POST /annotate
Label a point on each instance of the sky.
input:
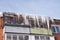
(49, 8)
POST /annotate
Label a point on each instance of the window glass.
(36, 37)
(57, 29)
(45, 24)
(42, 37)
(26, 38)
(30, 20)
(14, 20)
(40, 21)
(36, 23)
(7, 20)
(11, 19)
(53, 28)
(8, 37)
(21, 19)
(47, 38)
(20, 37)
(14, 37)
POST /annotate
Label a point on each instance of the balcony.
(41, 31)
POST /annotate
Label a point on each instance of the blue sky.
(41, 7)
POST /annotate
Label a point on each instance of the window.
(42, 37)
(56, 29)
(36, 21)
(45, 24)
(30, 20)
(8, 37)
(47, 38)
(9, 18)
(53, 28)
(26, 38)
(40, 21)
(36, 37)
(23, 37)
(14, 37)
(21, 19)
(20, 37)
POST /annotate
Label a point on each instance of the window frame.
(56, 30)
(17, 36)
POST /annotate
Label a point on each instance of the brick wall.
(1, 30)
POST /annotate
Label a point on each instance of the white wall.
(16, 29)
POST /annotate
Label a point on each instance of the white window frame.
(55, 28)
(30, 37)
(43, 36)
(16, 35)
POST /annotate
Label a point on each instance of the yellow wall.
(41, 31)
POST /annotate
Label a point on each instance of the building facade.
(56, 28)
(27, 27)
